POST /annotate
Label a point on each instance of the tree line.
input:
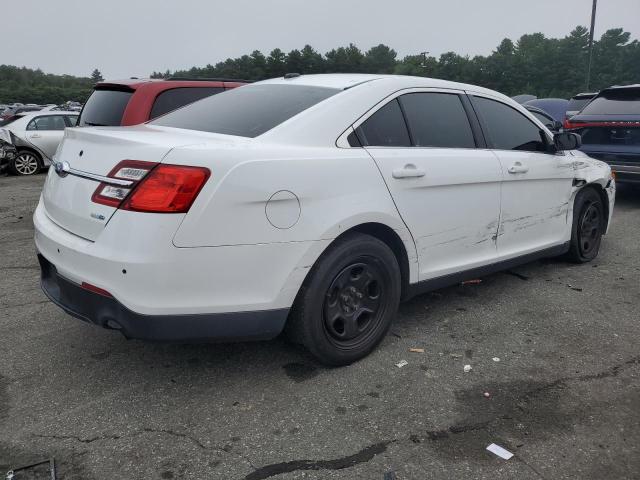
(534, 64)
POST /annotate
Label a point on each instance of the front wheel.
(25, 163)
(347, 304)
(589, 222)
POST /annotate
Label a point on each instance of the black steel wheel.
(348, 302)
(589, 221)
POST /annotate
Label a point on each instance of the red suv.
(134, 101)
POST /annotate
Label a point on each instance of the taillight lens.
(167, 189)
(155, 188)
(113, 195)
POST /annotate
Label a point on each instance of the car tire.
(348, 301)
(589, 223)
(25, 163)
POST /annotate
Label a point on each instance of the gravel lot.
(564, 397)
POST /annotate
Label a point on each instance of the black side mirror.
(567, 141)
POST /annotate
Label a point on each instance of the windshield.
(104, 108)
(246, 111)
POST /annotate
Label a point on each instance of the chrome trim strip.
(98, 178)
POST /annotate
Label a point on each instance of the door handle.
(35, 135)
(518, 167)
(408, 171)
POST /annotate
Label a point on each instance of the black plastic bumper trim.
(107, 312)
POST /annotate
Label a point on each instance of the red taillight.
(154, 188)
(167, 189)
(94, 289)
(568, 124)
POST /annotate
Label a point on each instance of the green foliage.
(33, 86)
(534, 64)
(96, 76)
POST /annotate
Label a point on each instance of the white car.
(35, 136)
(311, 204)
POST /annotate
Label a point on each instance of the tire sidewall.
(584, 199)
(354, 248)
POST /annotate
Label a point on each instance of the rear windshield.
(104, 108)
(246, 111)
(615, 102)
(576, 104)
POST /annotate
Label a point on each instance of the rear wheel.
(348, 302)
(25, 163)
(589, 222)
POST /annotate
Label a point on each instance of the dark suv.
(610, 130)
(135, 101)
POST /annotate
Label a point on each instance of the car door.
(45, 132)
(446, 189)
(536, 184)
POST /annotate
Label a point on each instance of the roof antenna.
(291, 75)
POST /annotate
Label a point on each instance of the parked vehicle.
(577, 103)
(546, 119)
(13, 111)
(35, 137)
(610, 130)
(523, 98)
(311, 204)
(556, 107)
(134, 101)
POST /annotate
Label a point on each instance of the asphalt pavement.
(555, 379)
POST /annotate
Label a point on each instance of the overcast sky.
(126, 38)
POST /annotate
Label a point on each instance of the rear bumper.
(107, 312)
(625, 165)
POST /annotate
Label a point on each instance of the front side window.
(175, 98)
(437, 120)
(51, 122)
(246, 111)
(385, 128)
(507, 128)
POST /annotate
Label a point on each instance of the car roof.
(47, 113)
(345, 81)
(135, 83)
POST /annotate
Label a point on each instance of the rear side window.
(615, 102)
(104, 108)
(175, 98)
(246, 111)
(508, 129)
(50, 122)
(437, 120)
(385, 128)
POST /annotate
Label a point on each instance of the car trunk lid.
(87, 154)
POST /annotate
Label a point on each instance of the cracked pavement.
(564, 396)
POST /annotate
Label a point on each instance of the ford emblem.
(62, 168)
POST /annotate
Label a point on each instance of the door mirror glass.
(567, 141)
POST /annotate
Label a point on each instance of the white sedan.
(310, 204)
(35, 136)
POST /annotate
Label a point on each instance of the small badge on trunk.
(62, 168)
(97, 216)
